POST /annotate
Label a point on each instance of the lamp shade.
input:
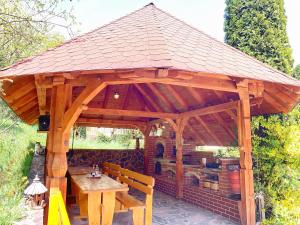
(36, 187)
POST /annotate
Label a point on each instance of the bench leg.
(138, 216)
(149, 203)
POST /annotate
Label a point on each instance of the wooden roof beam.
(204, 83)
(133, 113)
(113, 123)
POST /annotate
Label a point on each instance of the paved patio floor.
(166, 211)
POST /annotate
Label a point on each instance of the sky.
(206, 15)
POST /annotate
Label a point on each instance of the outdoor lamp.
(35, 191)
(116, 95)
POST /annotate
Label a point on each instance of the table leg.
(108, 204)
(83, 204)
(94, 202)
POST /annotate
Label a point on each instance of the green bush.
(16, 151)
(276, 152)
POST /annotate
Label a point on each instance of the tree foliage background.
(258, 28)
(27, 27)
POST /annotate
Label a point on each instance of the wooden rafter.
(162, 97)
(177, 96)
(209, 131)
(146, 96)
(23, 100)
(168, 104)
(274, 102)
(13, 96)
(147, 106)
(184, 105)
(224, 126)
(224, 99)
(27, 107)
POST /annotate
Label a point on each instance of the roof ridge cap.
(231, 47)
(158, 27)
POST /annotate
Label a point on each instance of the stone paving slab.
(166, 211)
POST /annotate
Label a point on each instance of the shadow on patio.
(167, 210)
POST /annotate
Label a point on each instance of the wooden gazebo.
(162, 69)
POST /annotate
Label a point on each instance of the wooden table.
(100, 195)
(79, 170)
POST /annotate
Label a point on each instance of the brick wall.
(210, 200)
(165, 185)
(194, 192)
(130, 159)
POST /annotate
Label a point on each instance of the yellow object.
(57, 211)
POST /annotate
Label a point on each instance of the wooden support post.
(180, 123)
(246, 172)
(57, 142)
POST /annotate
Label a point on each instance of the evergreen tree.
(258, 28)
(296, 72)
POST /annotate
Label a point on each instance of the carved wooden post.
(57, 142)
(180, 124)
(245, 146)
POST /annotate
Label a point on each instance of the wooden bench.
(144, 184)
(112, 170)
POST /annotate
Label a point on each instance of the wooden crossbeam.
(188, 114)
(210, 109)
(217, 108)
(204, 83)
(133, 113)
(110, 123)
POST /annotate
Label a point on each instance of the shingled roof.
(148, 38)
